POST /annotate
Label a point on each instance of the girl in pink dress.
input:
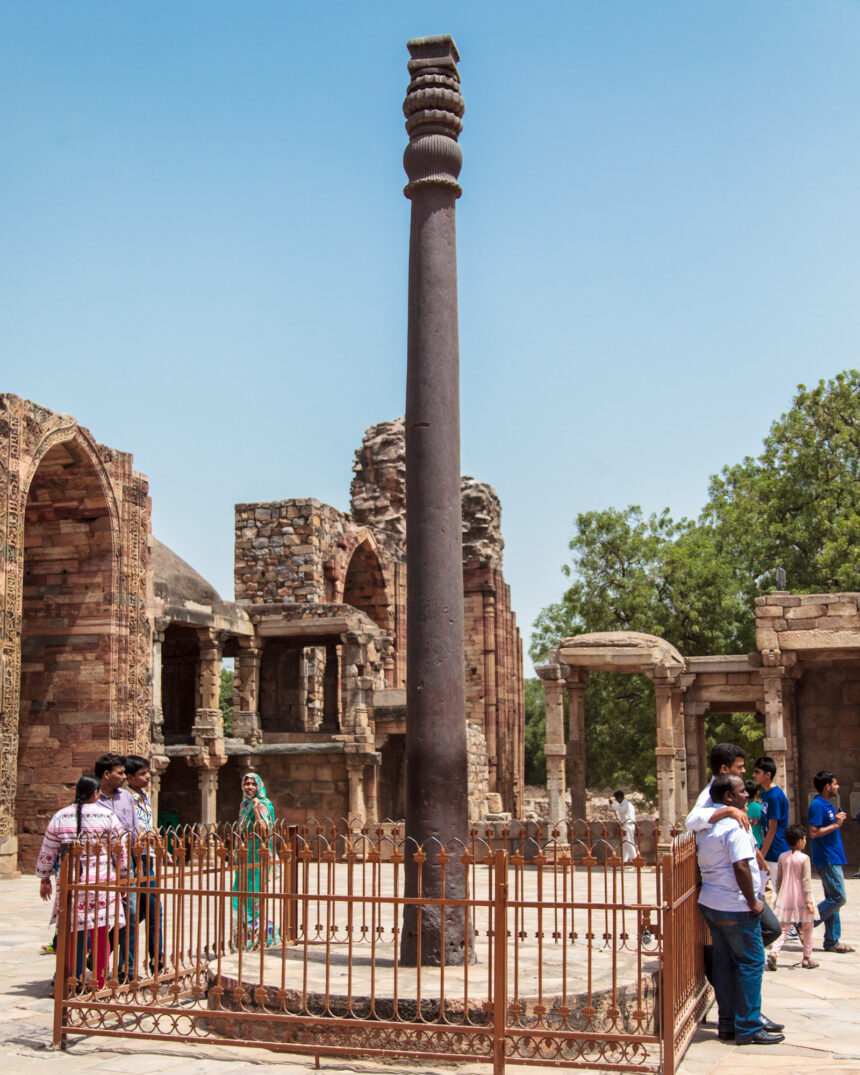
(103, 852)
(794, 902)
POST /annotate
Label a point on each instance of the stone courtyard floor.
(821, 1010)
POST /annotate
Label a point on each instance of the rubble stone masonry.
(302, 552)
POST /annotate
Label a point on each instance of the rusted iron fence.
(567, 956)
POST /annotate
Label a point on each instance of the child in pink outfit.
(794, 895)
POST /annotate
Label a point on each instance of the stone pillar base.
(9, 858)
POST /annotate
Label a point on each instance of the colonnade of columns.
(359, 669)
(680, 750)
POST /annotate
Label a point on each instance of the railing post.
(500, 960)
(62, 968)
(293, 884)
(669, 985)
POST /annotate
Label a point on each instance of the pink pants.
(806, 930)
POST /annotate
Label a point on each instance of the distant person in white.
(626, 818)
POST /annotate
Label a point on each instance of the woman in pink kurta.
(103, 851)
(794, 896)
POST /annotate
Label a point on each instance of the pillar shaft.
(436, 749)
(208, 780)
(576, 744)
(775, 745)
(554, 749)
(246, 716)
(355, 776)
(665, 752)
(680, 738)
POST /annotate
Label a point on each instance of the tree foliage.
(225, 699)
(535, 761)
(796, 506)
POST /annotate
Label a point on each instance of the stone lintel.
(810, 640)
(312, 627)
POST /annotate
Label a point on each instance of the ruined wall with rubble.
(282, 548)
(75, 653)
(302, 552)
(494, 650)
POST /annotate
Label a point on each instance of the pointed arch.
(364, 585)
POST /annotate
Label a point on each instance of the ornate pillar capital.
(433, 110)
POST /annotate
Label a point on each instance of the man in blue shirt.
(828, 857)
(774, 813)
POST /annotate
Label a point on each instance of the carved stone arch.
(70, 431)
(80, 516)
(364, 584)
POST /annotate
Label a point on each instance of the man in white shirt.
(731, 905)
(626, 818)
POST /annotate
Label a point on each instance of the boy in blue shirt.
(828, 857)
(774, 813)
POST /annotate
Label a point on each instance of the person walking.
(104, 855)
(828, 857)
(794, 896)
(625, 815)
(730, 902)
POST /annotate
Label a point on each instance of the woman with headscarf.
(104, 851)
(256, 821)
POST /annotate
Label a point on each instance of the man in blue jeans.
(828, 857)
(731, 905)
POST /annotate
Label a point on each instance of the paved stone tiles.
(821, 1010)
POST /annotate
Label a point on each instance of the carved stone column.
(555, 750)
(209, 681)
(208, 781)
(158, 764)
(157, 714)
(665, 751)
(491, 702)
(697, 767)
(355, 776)
(246, 691)
(371, 788)
(436, 749)
(774, 725)
(678, 732)
(577, 681)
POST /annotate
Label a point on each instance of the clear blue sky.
(204, 243)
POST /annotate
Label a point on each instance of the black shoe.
(762, 1037)
(726, 1035)
(770, 1025)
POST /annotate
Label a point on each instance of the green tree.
(535, 740)
(797, 506)
(225, 699)
(656, 576)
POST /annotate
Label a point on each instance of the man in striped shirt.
(144, 907)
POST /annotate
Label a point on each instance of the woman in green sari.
(256, 820)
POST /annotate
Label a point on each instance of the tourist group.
(757, 883)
